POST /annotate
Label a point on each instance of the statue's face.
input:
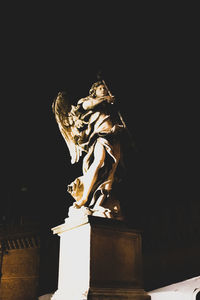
(101, 91)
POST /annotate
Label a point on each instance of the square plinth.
(99, 259)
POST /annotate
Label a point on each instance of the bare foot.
(80, 203)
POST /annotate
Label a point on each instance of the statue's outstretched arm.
(91, 103)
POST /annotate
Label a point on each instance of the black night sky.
(49, 49)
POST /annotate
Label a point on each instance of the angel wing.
(65, 117)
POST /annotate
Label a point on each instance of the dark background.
(142, 53)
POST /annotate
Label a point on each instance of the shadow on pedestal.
(99, 259)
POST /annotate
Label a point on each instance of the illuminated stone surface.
(99, 259)
(184, 290)
(19, 253)
(20, 274)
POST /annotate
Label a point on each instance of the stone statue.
(92, 130)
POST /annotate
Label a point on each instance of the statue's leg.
(90, 176)
(110, 178)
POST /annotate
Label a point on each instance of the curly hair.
(93, 88)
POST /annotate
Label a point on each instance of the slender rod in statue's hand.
(120, 116)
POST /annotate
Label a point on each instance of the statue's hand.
(109, 99)
(80, 123)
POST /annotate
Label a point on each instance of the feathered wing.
(62, 110)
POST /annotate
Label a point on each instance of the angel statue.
(92, 130)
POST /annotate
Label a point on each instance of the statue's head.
(92, 91)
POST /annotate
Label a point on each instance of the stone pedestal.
(99, 259)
